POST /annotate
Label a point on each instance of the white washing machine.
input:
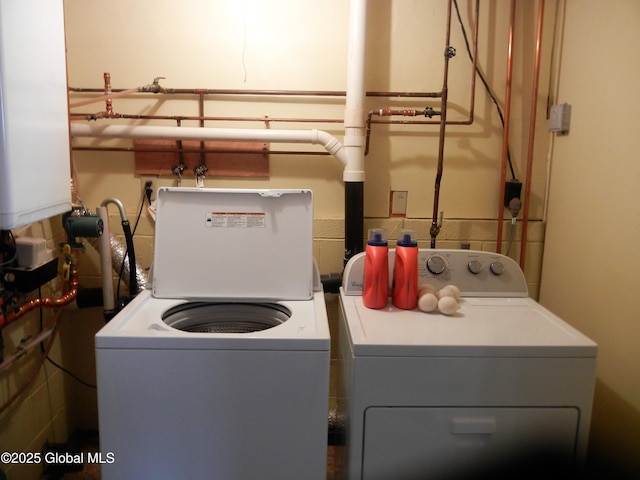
(502, 387)
(221, 370)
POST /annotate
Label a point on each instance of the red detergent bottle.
(405, 271)
(375, 292)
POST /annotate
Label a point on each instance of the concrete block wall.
(42, 413)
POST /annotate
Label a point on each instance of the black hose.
(331, 282)
(128, 237)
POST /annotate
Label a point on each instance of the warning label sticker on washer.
(236, 220)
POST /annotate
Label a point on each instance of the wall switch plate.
(398, 203)
(560, 118)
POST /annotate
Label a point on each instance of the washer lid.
(229, 244)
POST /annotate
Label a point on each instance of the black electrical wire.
(50, 360)
(485, 83)
(71, 374)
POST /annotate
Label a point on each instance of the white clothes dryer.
(501, 389)
(221, 370)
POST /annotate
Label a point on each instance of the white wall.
(591, 257)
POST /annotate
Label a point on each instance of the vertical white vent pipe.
(354, 115)
(354, 131)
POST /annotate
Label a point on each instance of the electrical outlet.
(148, 181)
(512, 189)
(147, 178)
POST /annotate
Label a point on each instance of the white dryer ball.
(455, 290)
(426, 288)
(446, 292)
(447, 305)
(427, 302)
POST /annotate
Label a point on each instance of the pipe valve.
(200, 170)
(154, 87)
(21, 349)
(435, 229)
(178, 170)
(429, 112)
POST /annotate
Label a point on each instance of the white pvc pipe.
(354, 115)
(313, 137)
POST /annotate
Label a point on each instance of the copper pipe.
(532, 135)
(284, 93)
(178, 169)
(449, 53)
(475, 64)
(111, 95)
(198, 118)
(107, 91)
(418, 122)
(201, 112)
(69, 294)
(108, 100)
(201, 92)
(389, 112)
(150, 88)
(468, 121)
(507, 121)
(156, 88)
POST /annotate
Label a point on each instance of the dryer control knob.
(436, 265)
(497, 268)
(474, 266)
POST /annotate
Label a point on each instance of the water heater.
(34, 120)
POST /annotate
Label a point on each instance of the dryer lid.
(233, 243)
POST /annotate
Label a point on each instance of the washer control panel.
(475, 273)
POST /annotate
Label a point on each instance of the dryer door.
(441, 443)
